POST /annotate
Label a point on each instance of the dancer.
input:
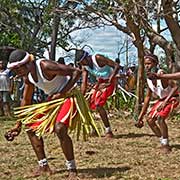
(105, 70)
(58, 81)
(168, 100)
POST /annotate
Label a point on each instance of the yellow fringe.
(82, 122)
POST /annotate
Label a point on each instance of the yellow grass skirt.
(82, 122)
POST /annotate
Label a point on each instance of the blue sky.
(103, 40)
(106, 41)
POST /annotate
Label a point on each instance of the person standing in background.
(5, 91)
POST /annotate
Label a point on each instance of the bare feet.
(109, 135)
(72, 175)
(41, 171)
(165, 149)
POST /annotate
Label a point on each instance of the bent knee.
(150, 121)
(160, 120)
(60, 130)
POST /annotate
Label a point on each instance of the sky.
(106, 41)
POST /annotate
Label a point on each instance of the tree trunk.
(140, 76)
(55, 28)
(171, 22)
(174, 29)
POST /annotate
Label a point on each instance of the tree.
(136, 18)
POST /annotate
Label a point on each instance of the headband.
(151, 57)
(19, 63)
(84, 55)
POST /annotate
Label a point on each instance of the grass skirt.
(82, 123)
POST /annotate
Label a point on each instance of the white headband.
(19, 63)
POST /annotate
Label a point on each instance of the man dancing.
(168, 100)
(58, 81)
(104, 70)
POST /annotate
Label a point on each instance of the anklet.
(70, 164)
(43, 162)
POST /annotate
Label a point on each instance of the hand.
(139, 124)
(11, 134)
(56, 96)
(152, 76)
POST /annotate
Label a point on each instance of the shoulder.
(98, 56)
(48, 64)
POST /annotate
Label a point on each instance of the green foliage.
(28, 24)
(117, 101)
(9, 39)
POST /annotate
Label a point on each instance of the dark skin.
(162, 129)
(50, 69)
(101, 61)
(173, 76)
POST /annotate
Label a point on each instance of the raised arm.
(174, 76)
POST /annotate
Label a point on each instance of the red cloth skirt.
(172, 104)
(63, 115)
(99, 97)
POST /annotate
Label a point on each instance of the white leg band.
(164, 141)
(43, 162)
(108, 129)
(71, 164)
(160, 139)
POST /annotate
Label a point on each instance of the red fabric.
(172, 103)
(99, 97)
(63, 111)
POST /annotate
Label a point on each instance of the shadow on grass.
(5, 118)
(99, 172)
(132, 135)
(176, 146)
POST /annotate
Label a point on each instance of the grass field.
(132, 155)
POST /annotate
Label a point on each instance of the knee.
(160, 120)
(100, 108)
(36, 142)
(60, 130)
(150, 121)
